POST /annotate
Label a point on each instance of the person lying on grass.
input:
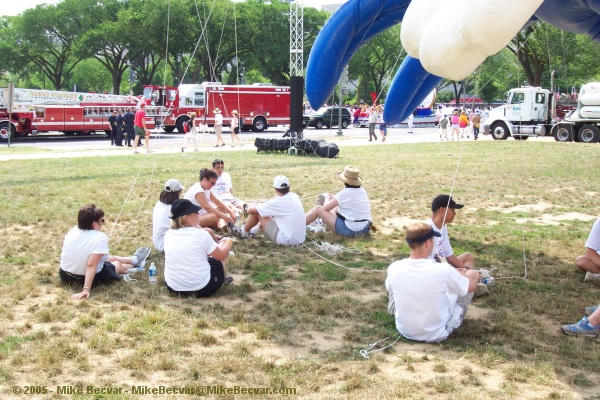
(85, 259)
(428, 299)
(348, 213)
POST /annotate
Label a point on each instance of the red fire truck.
(259, 105)
(36, 111)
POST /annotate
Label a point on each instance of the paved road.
(62, 146)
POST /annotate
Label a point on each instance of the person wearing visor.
(428, 299)
(194, 262)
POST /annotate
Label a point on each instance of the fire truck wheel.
(259, 124)
(588, 134)
(5, 127)
(500, 131)
(168, 129)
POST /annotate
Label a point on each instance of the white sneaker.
(591, 277)
(480, 290)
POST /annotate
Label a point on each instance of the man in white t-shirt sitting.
(282, 218)
(428, 299)
(590, 261)
(222, 189)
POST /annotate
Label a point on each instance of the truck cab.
(525, 114)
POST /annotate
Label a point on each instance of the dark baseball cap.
(443, 200)
(183, 207)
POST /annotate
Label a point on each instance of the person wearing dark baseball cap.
(194, 262)
(427, 299)
(444, 209)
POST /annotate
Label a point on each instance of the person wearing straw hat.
(219, 127)
(428, 299)
(235, 128)
(348, 212)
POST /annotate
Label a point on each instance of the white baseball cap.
(281, 182)
(173, 185)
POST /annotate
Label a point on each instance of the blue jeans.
(342, 229)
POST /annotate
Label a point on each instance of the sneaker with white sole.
(237, 231)
(481, 289)
(142, 254)
(582, 328)
(591, 277)
(590, 310)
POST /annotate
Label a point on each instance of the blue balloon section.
(358, 21)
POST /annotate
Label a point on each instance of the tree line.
(108, 45)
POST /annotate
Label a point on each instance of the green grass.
(292, 318)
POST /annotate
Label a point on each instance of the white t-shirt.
(288, 213)
(593, 241)
(222, 189)
(186, 258)
(191, 196)
(425, 293)
(354, 206)
(442, 245)
(77, 247)
(160, 224)
(219, 119)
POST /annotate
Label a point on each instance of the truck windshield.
(517, 98)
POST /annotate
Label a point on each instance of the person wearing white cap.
(162, 209)
(282, 218)
(219, 127)
(348, 213)
(235, 128)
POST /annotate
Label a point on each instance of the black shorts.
(104, 276)
(217, 276)
(236, 130)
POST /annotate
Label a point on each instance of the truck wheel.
(179, 124)
(500, 131)
(5, 128)
(319, 124)
(563, 134)
(259, 124)
(588, 134)
(169, 128)
(345, 123)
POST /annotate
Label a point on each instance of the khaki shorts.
(218, 129)
(272, 230)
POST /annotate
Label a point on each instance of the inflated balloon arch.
(443, 39)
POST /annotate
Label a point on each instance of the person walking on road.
(235, 128)
(140, 129)
(219, 127)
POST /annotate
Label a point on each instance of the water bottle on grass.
(152, 274)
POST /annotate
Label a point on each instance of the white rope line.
(365, 352)
(329, 246)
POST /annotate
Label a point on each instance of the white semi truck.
(532, 111)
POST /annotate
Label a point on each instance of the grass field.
(297, 318)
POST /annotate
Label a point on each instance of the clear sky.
(14, 7)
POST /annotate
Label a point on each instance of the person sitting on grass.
(282, 218)
(200, 194)
(348, 213)
(588, 326)
(590, 261)
(162, 210)
(85, 259)
(222, 189)
(428, 299)
(194, 262)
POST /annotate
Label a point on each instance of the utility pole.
(343, 81)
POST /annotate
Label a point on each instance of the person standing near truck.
(140, 129)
